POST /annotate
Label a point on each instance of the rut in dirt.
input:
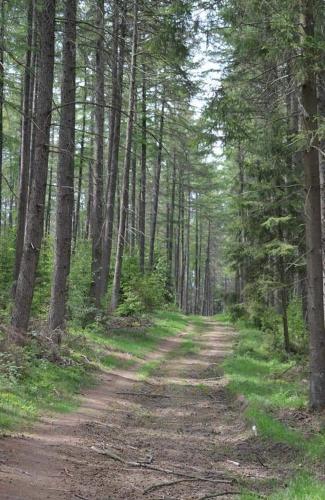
(177, 435)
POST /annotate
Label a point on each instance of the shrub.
(44, 273)
(141, 294)
(237, 311)
(80, 310)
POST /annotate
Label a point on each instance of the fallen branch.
(169, 483)
(145, 465)
(79, 496)
(214, 495)
(142, 394)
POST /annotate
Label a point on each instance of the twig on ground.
(260, 461)
(214, 495)
(156, 486)
(142, 394)
(79, 496)
(158, 469)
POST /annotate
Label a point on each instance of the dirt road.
(177, 435)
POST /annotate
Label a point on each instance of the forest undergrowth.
(273, 390)
(34, 379)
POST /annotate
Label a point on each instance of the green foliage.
(79, 284)
(255, 371)
(44, 273)
(7, 256)
(297, 325)
(141, 293)
(31, 383)
(273, 385)
(236, 312)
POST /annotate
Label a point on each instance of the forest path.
(181, 419)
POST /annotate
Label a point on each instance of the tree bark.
(25, 142)
(127, 164)
(117, 93)
(45, 15)
(2, 41)
(65, 174)
(170, 243)
(206, 289)
(76, 220)
(97, 229)
(313, 218)
(143, 178)
(155, 188)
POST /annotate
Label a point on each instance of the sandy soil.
(177, 435)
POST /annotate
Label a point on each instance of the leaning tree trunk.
(313, 218)
(97, 216)
(45, 15)
(127, 164)
(25, 142)
(65, 174)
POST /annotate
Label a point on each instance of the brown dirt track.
(177, 435)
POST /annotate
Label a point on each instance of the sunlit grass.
(48, 386)
(260, 373)
(303, 487)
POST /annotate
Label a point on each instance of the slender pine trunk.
(65, 174)
(127, 165)
(45, 15)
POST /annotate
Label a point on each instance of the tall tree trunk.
(187, 257)
(25, 142)
(155, 188)
(65, 175)
(206, 289)
(313, 218)
(2, 41)
(49, 200)
(133, 214)
(143, 178)
(76, 220)
(97, 228)
(170, 243)
(114, 146)
(182, 248)
(197, 261)
(90, 194)
(45, 15)
(127, 164)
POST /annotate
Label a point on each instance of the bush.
(80, 310)
(141, 293)
(237, 311)
(297, 326)
(7, 257)
(43, 280)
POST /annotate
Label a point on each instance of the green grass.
(166, 323)
(31, 385)
(187, 347)
(149, 368)
(303, 487)
(262, 375)
(45, 386)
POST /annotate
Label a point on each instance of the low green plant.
(31, 383)
(80, 310)
(262, 375)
